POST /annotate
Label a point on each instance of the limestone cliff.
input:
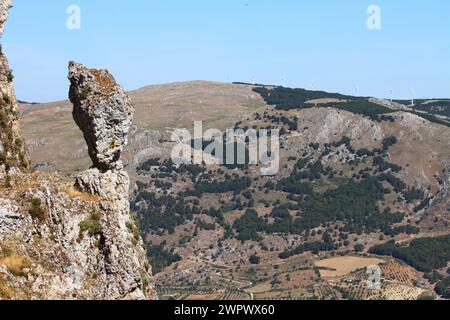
(12, 147)
(69, 238)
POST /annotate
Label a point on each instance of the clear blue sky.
(151, 42)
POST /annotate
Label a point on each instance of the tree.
(255, 259)
(443, 288)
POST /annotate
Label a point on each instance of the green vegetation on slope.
(425, 254)
(288, 99)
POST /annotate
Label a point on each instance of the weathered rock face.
(104, 113)
(58, 241)
(12, 147)
(5, 5)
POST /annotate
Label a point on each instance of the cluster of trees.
(396, 183)
(425, 254)
(162, 212)
(249, 226)
(167, 168)
(423, 205)
(160, 258)
(292, 124)
(365, 108)
(431, 118)
(312, 171)
(236, 185)
(443, 288)
(413, 194)
(254, 259)
(316, 247)
(441, 107)
(288, 98)
(384, 166)
(389, 142)
(147, 165)
(354, 203)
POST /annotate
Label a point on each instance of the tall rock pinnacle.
(104, 113)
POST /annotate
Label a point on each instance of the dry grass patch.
(341, 266)
(16, 264)
(260, 288)
(22, 186)
(6, 293)
(74, 193)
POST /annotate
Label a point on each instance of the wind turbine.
(357, 91)
(313, 85)
(391, 94)
(283, 80)
(413, 95)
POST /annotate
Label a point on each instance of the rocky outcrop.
(104, 113)
(5, 5)
(12, 148)
(66, 240)
(59, 243)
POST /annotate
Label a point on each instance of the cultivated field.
(341, 266)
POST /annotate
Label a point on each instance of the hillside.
(347, 183)
(54, 142)
(355, 173)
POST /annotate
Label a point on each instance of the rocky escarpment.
(63, 238)
(12, 148)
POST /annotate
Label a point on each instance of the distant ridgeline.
(288, 99)
(435, 106)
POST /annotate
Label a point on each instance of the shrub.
(36, 211)
(84, 93)
(425, 254)
(255, 259)
(443, 288)
(160, 258)
(10, 76)
(92, 226)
